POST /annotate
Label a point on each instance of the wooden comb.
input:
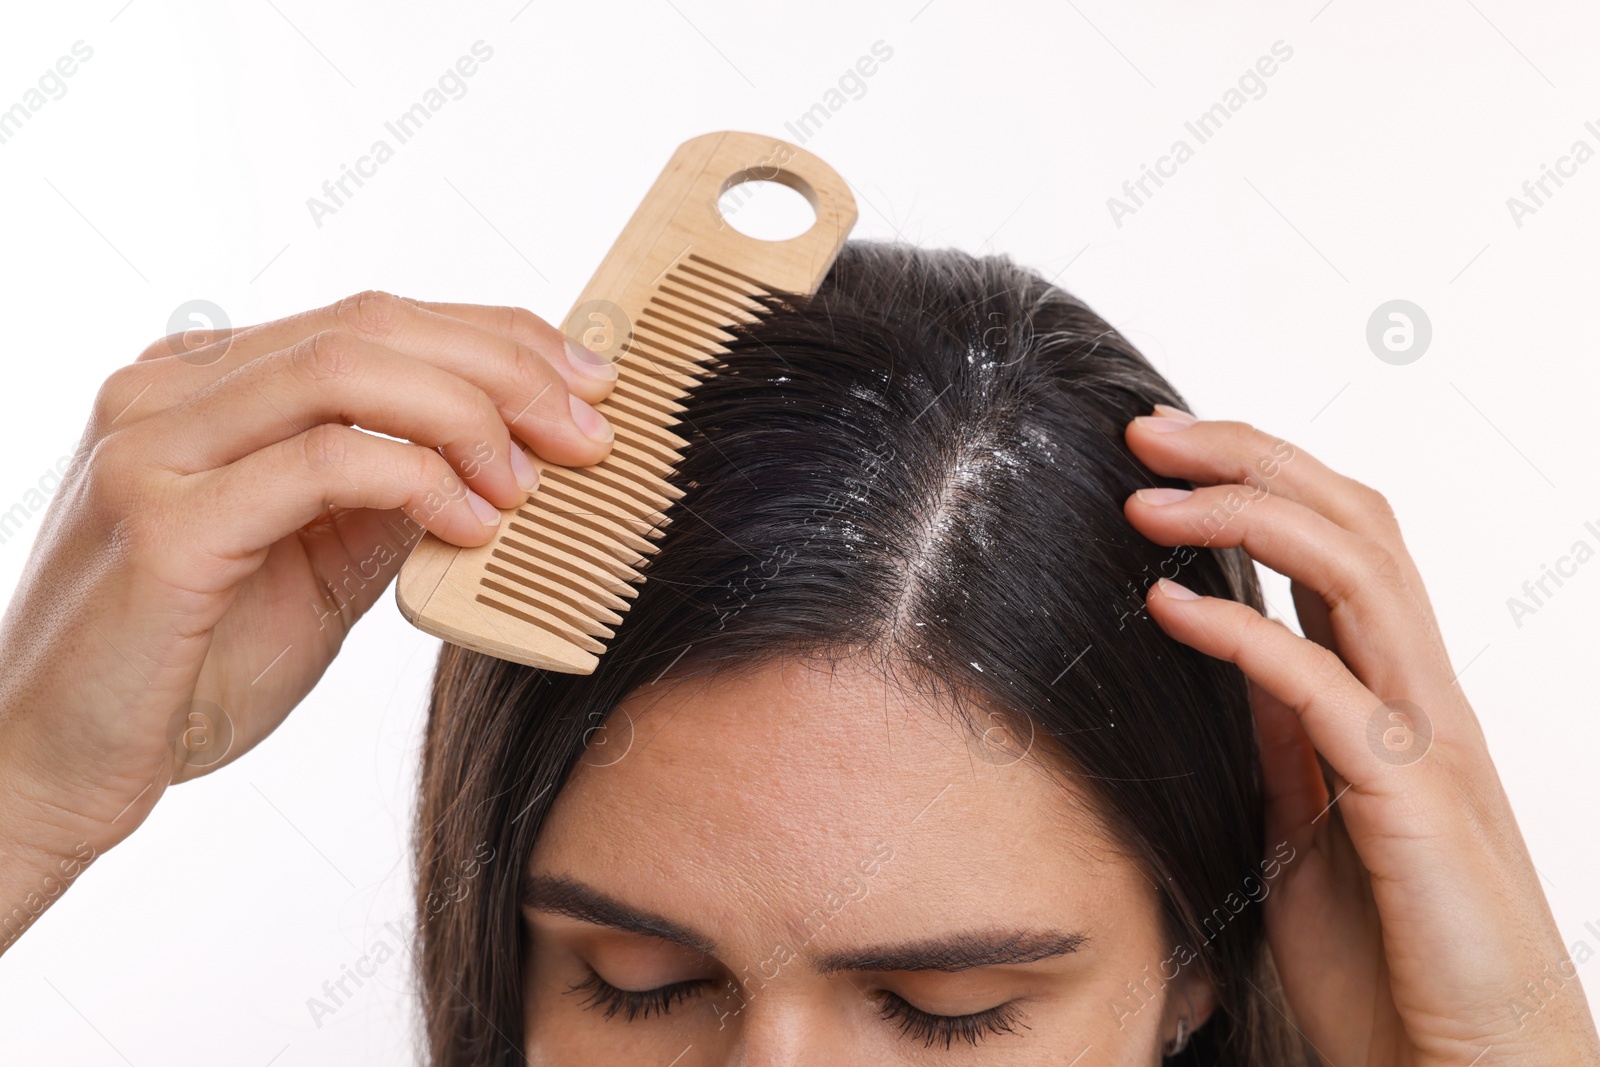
(562, 567)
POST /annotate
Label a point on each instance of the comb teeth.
(570, 558)
(562, 569)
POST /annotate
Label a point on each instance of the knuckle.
(432, 486)
(1243, 436)
(1253, 629)
(1340, 587)
(511, 323)
(1372, 560)
(1385, 568)
(112, 486)
(429, 470)
(1374, 503)
(108, 466)
(1260, 454)
(534, 378)
(113, 457)
(1362, 570)
(328, 355)
(326, 447)
(162, 346)
(522, 325)
(1258, 627)
(119, 390)
(132, 535)
(108, 453)
(485, 415)
(372, 313)
(1327, 670)
(474, 416)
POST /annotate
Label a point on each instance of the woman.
(946, 729)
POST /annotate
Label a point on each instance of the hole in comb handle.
(766, 210)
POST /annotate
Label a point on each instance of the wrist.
(32, 879)
(53, 795)
(46, 840)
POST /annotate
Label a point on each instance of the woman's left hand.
(1410, 927)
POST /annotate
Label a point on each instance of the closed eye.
(945, 1030)
(635, 1004)
(913, 1022)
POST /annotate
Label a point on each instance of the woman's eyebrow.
(956, 952)
(569, 897)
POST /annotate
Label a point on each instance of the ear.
(1191, 998)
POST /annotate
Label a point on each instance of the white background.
(1376, 166)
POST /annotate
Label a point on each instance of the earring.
(1180, 1040)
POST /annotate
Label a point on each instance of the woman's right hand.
(223, 525)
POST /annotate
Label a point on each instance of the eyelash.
(947, 1029)
(913, 1022)
(634, 1004)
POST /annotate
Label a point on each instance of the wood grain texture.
(562, 568)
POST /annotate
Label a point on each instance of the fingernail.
(1163, 423)
(1175, 413)
(591, 422)
(1174, 591)
(483, 509)
(590, 364)
(1163, 495)
(522, 467)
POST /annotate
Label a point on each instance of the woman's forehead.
(764, 785)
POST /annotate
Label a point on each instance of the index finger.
(591, 373)
(1175, 444)
(374, 316)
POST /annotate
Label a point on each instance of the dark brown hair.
(924, 461)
